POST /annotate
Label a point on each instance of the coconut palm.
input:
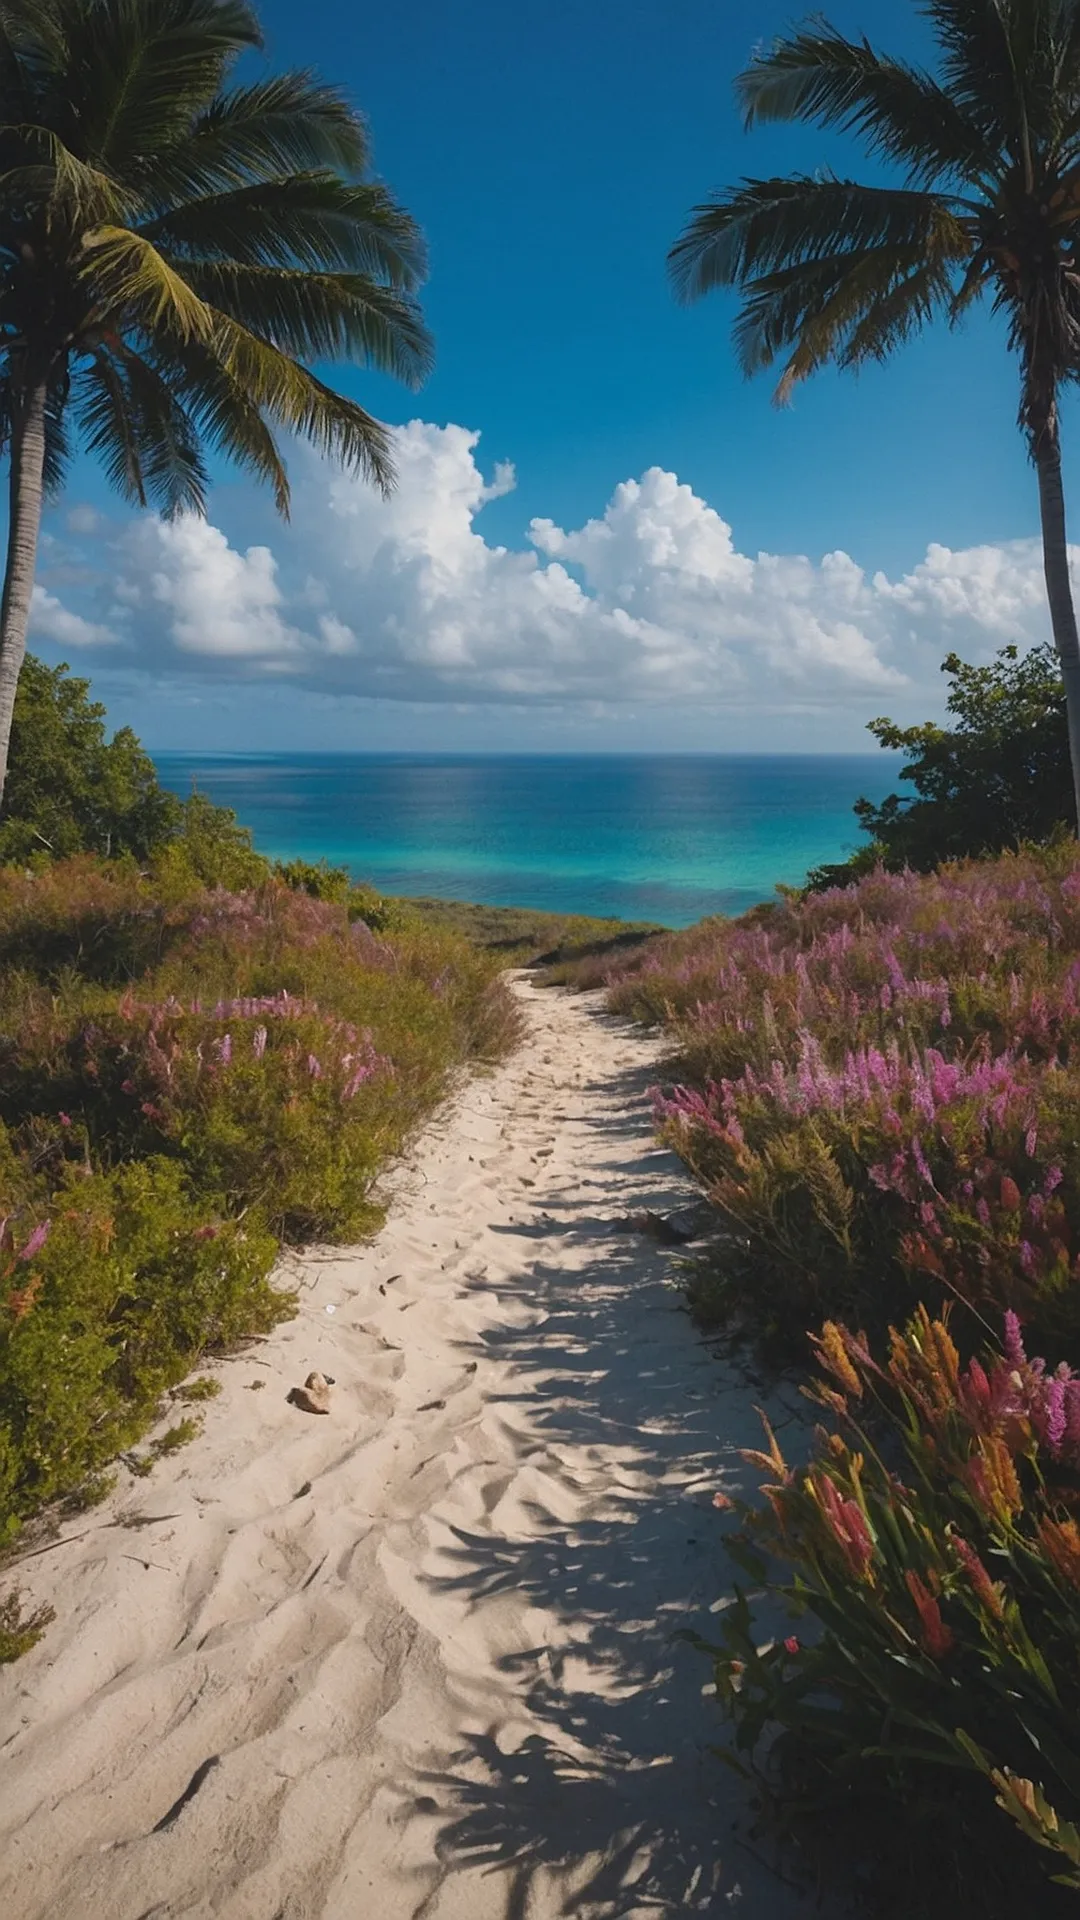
(986, 204)
(176, 249)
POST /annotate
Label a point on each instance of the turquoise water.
(644, 837)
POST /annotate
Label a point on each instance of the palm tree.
(988, 204)
(176, 248)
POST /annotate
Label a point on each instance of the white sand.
(414, 1659)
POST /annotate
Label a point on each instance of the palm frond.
(846, 309)
(901, 113)
(291, 123)
(306, 219)
(319, 316)
(38, 167)
(107, 428)
(139, 70)
(223, 413)
(138, 427)
(761, 226)
(994, 61)
(295, 400)
(127, 281)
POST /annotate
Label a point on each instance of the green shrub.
(112, 1285)
(20, 1631)
(68, 789)
(1001, 775)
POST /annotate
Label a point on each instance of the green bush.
(1000, 776)
(113, 1286)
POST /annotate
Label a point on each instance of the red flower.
(1010, 1194)
(937, 1639)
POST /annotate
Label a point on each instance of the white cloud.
(82, 519)
(650, 602)
(51, 620)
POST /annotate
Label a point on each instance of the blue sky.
(551, 155)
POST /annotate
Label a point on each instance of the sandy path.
(413, 1661)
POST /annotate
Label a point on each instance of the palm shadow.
(615, 1802)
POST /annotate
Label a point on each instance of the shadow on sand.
(616, 1801)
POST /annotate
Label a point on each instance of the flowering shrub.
(935, 1545)
(189, 1075)
(880, 1088)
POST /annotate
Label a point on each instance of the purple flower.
(223, 1048)
(1055, 1415)
(258, 1042)
(36, 1241)
(1031, 1140)
(1014, 1344)
(1053, 1180)
(313, 1067)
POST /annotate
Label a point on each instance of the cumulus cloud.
(650, 601)
(51, 620)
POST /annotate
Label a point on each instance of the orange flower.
(991, 1478)
(936, 1636)
(22, 1299)
(1061, 1539)
(833, 1355)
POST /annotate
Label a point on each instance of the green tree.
(69, 788)
(175, 249)
(988, 204)
(999, 776)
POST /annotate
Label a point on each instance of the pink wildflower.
(1055, 1415)
(36, 1241)
(258, 1042)
(1013, 1341)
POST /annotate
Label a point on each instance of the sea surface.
(644, 837)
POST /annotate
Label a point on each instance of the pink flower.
(258, 1042)
(1013, 1342)
(36, 1241)
(1055, 1414)
(1031, 1139)
(65, 1119)
(791, 1644)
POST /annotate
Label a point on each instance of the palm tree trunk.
(26, 489)
(1047, 452)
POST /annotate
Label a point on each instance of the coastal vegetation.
(999, 775)
(192, 1076)
(876, 1086)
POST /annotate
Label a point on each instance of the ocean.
(664, 837)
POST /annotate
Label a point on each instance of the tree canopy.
(999, 776)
